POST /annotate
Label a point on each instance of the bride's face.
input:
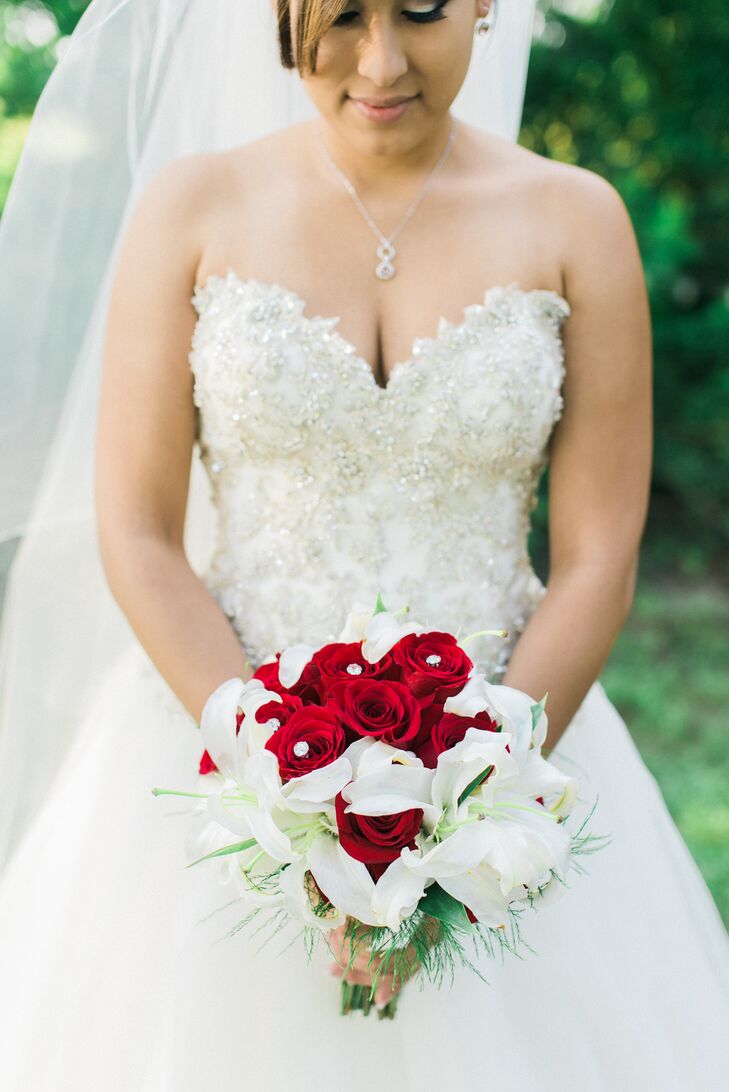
(380, 50)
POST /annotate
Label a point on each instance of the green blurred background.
(638, 91)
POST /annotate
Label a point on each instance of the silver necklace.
(386, 252)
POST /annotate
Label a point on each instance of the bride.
(336, 355)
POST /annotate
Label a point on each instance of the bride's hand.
(361, 972)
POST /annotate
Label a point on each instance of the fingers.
(386, 988)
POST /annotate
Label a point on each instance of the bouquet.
(381, 786)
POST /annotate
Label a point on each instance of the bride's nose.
(382, 59)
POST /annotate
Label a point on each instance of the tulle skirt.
(118, 977)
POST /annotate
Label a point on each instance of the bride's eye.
(426, 14)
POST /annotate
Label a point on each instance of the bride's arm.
(600, 456)
(145, 439)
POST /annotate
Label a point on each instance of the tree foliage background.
(639, 93)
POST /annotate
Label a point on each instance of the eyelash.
(412, 16)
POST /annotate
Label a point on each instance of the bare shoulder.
(570, 190)
(573, 213)
(599, 247)
(185, 190)
(214, 195)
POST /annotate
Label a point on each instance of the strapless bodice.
(330, 488)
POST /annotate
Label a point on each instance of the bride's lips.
(370, 110)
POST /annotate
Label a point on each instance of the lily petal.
(292, 662)
(397, 894)
(218, 724)
(463, 850)
(479, 890)
(310, 791)
(356, 624)
(367, 754)
(382, 633)
(297, 901)
(344, 881)
(387, 790)
(275, 843)
(460, 765)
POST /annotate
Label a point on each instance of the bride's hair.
(298, 45)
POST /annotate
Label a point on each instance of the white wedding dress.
(330, 488)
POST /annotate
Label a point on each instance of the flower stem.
(174, 792)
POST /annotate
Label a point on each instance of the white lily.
(243, 815)
(391, 788)
(460, 852)
(460, 765)
(396, 895)
(350, 887)
(539, 777)
(296, 899)
(473, 698)
(382, 632)
(479, 889)
(366, 754)
(511, 708)
(292, 662)
(527, 850)
(311, 793)
(345, 881)
(354, 627)
(528, 841)
(229, 750)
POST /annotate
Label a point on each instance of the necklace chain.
(386, 252)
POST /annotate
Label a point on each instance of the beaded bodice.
(330, 488)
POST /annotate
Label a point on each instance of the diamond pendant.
(385, 270)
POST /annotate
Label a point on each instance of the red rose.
(379, 708)
(281, 711)
(433, 665)
(206, 764)
(339, 662)
(450, 730)
(268, 674)
(429, 717)
(304, 688)
(311, 737)
(376, 840)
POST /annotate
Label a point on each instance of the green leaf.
(538, 709)
(380, 607)
(439, 904)
(473, 785)
(225, 851)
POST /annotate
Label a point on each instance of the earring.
(483, 26)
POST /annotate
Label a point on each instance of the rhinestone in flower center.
(301, 748)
